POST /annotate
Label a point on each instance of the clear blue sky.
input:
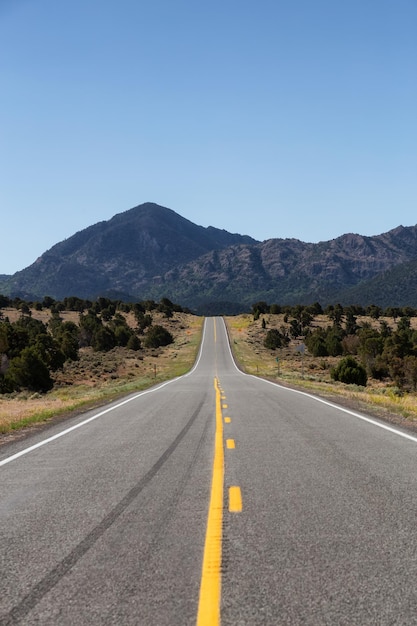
(276, 118)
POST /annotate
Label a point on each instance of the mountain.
(127, 254)
(398, 286)
(152, 252)
(289, 271)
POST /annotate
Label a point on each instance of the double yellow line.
(210, 588)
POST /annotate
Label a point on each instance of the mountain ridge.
(150, 251)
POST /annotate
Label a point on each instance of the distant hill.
(152, 252)
(289, 271)
(395, 287)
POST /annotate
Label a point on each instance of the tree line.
(31, 350)
(378, 350)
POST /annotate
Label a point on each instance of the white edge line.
(318, 399)
(101, 413)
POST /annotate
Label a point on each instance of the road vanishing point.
(213, 499)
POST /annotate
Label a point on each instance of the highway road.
(216, 498)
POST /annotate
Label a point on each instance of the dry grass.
(303, 371)
(99, 377)
(43, 316)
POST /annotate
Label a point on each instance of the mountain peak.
(150, 252)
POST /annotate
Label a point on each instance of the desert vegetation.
(367, 354)
(57, 356)
(60, 356)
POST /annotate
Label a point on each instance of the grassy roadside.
(101, 377)
(302, 371)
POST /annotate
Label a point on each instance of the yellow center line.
(230, 443)
(235, 500)
(210, 586)
(227, 420)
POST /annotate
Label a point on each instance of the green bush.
(316, 344)
(134, 343)
(349, 371)
(158, 336)
(103, 340)
(29, 371)
(274, 339)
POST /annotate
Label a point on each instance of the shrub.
(274, 339)
(134, 343)
(316, 344)
(29, 371)
(349, 371)
(122, 335)
(104, 340)
(158, 336)
(334, 342)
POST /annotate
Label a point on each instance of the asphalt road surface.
(216, 498)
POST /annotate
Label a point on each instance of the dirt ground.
(97, 377)
(300, 370)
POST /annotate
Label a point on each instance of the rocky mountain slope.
(152, 252)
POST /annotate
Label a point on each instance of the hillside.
(125, 256)
(152, 252)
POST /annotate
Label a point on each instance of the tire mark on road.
(55, 575)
